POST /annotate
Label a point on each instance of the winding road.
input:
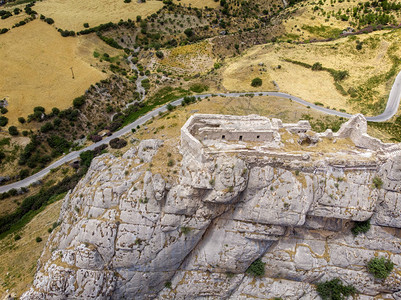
(391, 109)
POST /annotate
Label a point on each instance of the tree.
(3, 121)
(55, 111)
(86, 25)
(189, 32)
(46, 127)
(39, 108)
(159, 54)
(256, 82)
(49, 21)
(78, 102)
(21, 120)
(13, 130)
(24, 173)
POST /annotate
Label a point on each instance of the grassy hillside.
(371, 66)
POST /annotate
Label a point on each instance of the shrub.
(170, 107)
(167, 284)
(17, 237)
(256, 82)
(257, 268)
(185, 230)
(38, 239)
(360, 227)
(334, 290)
(21, 120)
(170, 162)
(13, 130)
(380, 267)
(3, 121)
(3, 110)
(86, 25)
(24, 173)
(377, 182)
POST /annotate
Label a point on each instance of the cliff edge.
(248, 188)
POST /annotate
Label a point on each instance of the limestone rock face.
(127, 233)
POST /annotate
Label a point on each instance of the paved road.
(391, 109)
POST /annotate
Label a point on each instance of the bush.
(257, 268)
(334, 290)
(3, 110)
(24, 173)
(117, 143)
(21, 120)
(360, 227)
(256, 82)
(3, 121)
(380, 267)
(170, 107)
(17, 237)
(38, 239)
(13, 130)
(86, 25)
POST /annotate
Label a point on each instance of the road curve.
(391, 109)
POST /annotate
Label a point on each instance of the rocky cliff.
(128, 233)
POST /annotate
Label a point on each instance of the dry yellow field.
(310, 85)
(35, 66)
(73, 14)
(18, 259)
